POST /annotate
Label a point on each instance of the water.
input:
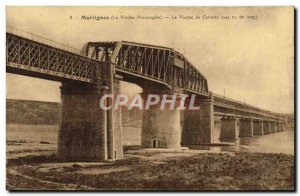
(32, 133)
(24, 140)
(31, 136)
(280, 142)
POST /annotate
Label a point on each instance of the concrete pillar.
(118, 145)
(277, 127)
(273, 127)
(229, 130)
(82, 133)
(88, 132)
(258, 128)
(161, 128)
(246, 128)
(113, 117)
(286, 125)
(267, 127)
(198, 124)
(281, 126)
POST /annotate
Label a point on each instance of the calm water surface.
(282, 142)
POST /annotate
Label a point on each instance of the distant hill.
(32, 112)
(47, 113)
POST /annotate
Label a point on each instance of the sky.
(251, 59)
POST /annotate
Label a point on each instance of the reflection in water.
(32, 133)
(281, 142)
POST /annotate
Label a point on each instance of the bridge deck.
(39, 57)
(32, 55)
(157, 63)
(233, 108)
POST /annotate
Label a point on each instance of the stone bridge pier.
(246, 128)
(82, 133)
(267, 127)
(273, 127)
(281, 126)
(198, 125)
(87, 132)
(229, 130)
(258, 127)
(161, 126)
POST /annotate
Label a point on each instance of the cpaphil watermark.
(145, 102)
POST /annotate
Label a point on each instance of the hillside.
(32, 112)
(47, 113)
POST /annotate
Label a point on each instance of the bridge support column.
(273, 127)
(198, 124)
(277, 127)
(281, 127)
(161, 128)
(286, 126)
(267, 127)
(246, 128)
(82, 133)
(117, 131)
(228, 129)
(258, 128)
(88, 132)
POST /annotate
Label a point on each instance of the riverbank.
(156, 169)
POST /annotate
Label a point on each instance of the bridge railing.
(40, 39)
(238, 108)
(29, 54)
(157, 63)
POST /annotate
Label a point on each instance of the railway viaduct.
(89, 133)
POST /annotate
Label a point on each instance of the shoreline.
(156, 169)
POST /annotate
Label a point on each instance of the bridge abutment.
(229, 130)
(246, 128)
(258, 127)
(198, 124)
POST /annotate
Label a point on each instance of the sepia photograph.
(150, 98)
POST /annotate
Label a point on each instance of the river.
(40, 137)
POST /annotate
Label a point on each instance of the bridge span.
(88, 133)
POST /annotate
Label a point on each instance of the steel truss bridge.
(224, 106)
(32, 55)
